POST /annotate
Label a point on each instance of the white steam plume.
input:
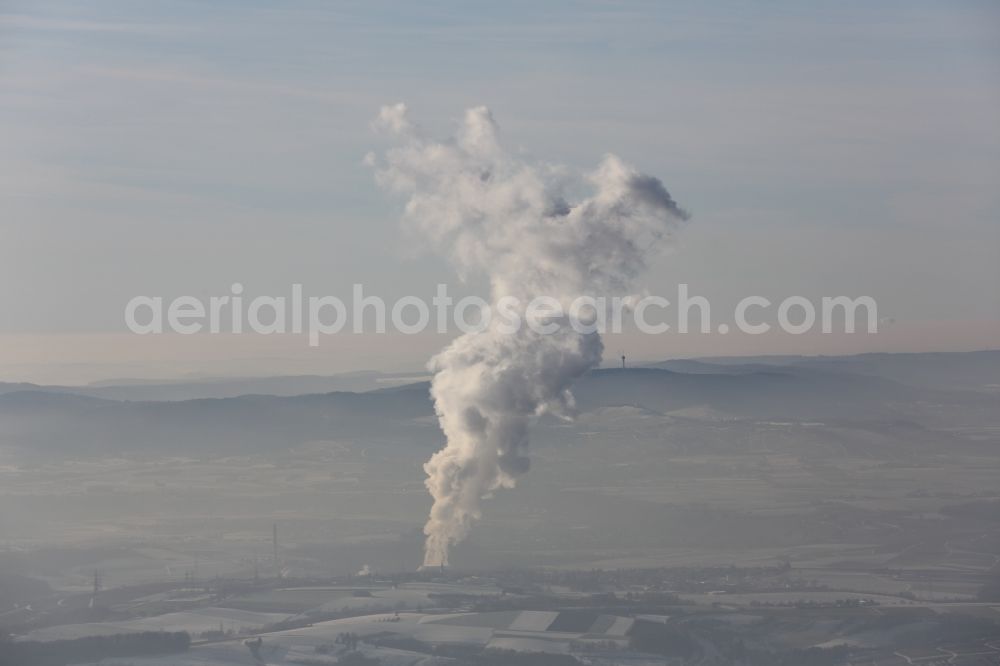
(496, 214)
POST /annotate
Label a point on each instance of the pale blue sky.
(176, 147)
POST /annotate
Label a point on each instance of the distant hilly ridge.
(75, 420)
(229, 387)
(978, 370)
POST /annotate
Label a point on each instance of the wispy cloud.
(42, 23)
(184, 77)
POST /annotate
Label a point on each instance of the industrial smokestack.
(501, 216)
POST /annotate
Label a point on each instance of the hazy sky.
(176, 147)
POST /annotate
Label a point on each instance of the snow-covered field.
(408, 596)
(514, 630)
(194, 622)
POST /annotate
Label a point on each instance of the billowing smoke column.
(496, 214)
